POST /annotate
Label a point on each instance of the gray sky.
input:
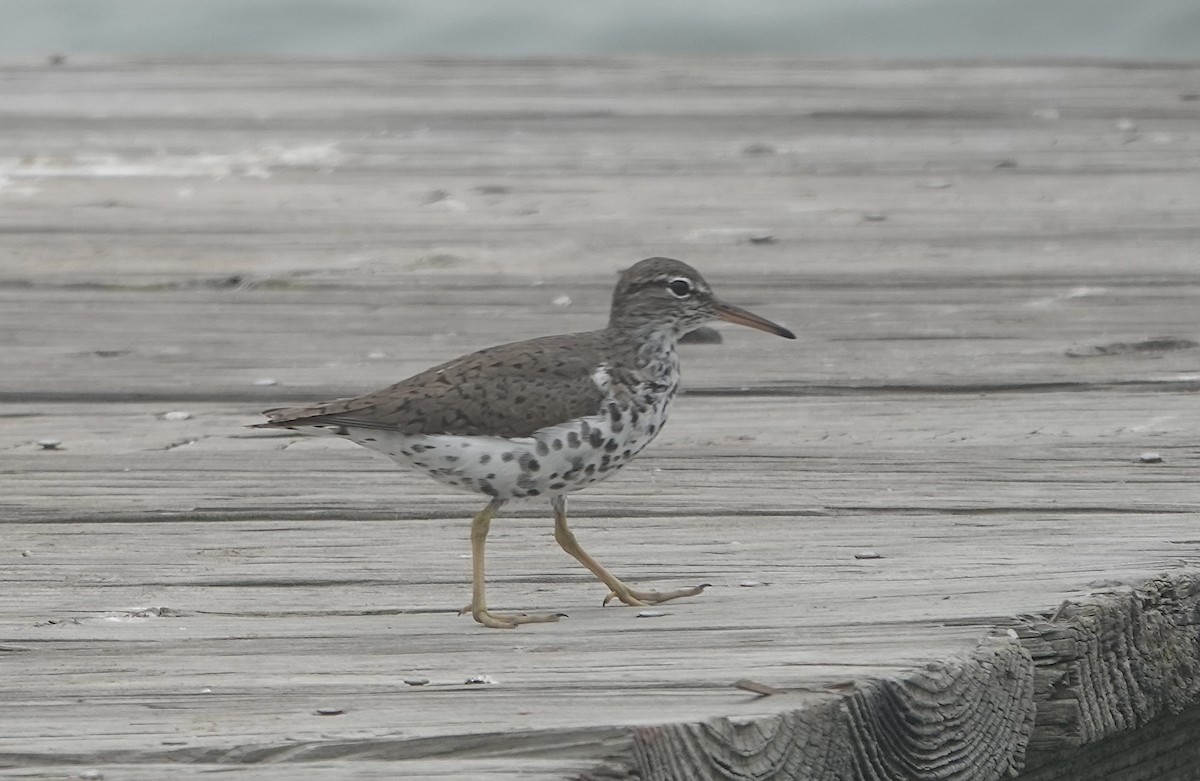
(820, 28)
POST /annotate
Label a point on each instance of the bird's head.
(666, 292)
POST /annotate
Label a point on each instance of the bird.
(540, 418)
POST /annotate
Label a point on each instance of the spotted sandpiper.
(544, 417)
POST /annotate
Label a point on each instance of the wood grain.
(931, 524)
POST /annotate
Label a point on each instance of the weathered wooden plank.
(972, 336)
(260, 586)
(454, 769)
(362, 169)
(1164, 749)
(1022, 452)
(993, 276)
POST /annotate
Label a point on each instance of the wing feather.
(508, 391)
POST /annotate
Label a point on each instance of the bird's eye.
(680, 288)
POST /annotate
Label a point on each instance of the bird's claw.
(635, 598)
(509, 620)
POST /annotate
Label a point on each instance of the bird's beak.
(735, 314)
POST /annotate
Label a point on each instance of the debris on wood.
(761, 689)
(481, 680)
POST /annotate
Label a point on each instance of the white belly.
(555, 460)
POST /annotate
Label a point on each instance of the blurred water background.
(1138, 29)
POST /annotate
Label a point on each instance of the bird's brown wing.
(509, 391)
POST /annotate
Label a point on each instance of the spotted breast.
(552, 460)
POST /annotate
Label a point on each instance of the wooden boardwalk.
(929, 523)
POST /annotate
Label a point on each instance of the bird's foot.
(509, 620)
(635, 598)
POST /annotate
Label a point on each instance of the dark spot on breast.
(529, 463)
(611, 445)
(542, 448)
(585, 428)
(557, 444)
(576, 468)
(486, 457)
(614, 411)
(369, 439)
(596, 439)
(651, 429)
(618, 426)
(573, 439)
(507, 456)
(557, 486)
(590, 470)
(451, 459)
(532, 492)
(487, 488)
(633, 416)
(420, 464)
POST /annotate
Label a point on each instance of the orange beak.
(735, 314)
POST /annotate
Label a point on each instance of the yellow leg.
(478, 607)
(617, 590)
